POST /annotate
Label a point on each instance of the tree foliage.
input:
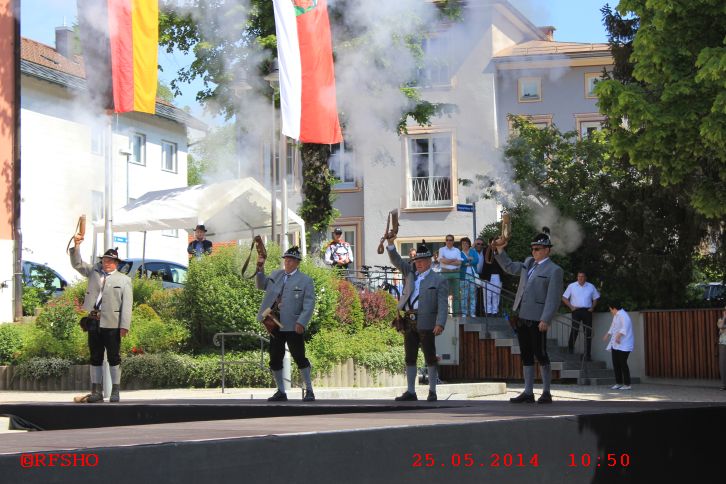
(639, 237)
(666, 102)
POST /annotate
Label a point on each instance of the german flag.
(120, 42)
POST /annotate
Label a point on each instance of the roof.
(534, 48)
(44, 62)
(231, 209)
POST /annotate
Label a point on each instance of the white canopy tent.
(230, 210)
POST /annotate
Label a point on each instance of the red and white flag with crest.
(307, 77)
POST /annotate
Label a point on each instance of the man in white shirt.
(449, 262)
(338, 253)
(581, 297)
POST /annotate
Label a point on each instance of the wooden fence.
(681, 343)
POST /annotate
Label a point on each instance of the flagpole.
(283, 189)
(108, 186)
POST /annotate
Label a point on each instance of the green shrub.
(12, 341)
(33, 298)
(59, 317)
(217, 299)
(144, 289)
(379, 308)
(348, 313)
(40, 368)
(166, 370)
(150, 334)
(166, 303)
(75, 293)
(373, 347)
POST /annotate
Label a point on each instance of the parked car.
(714, 293)
(171, 274)
(43, 277)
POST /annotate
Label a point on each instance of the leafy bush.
(150, 334)
(374, 347)
(167, 370)
(39, 368)
(144, 289)
(379, 307)
(166, 303)
(33, 298)
(75, 293)
(41, 343)
(348, 313)
(217, 299)
(12, 340)
(325, 281)
(59, 317)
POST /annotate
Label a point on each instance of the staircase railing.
(560, 326)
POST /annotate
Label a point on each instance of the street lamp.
(274, 79)
(127, 153)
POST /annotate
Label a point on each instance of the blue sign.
(119, 239)
(464, 207)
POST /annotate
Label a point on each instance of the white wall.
(60, 173)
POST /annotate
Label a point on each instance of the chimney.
(63, 41)
(549, 32)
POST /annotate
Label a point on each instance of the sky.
(575, 21)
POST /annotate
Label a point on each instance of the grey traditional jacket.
(118, 293)
(538, 296)
(297, 301)
(433, 293)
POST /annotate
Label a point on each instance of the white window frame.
(170, 233)
(175, 156)
(526, 82)
(591, 79)
(436, 71)
(142, 149)
(341, 163)
(432, 184)
(539, 121)
(586, 121)
(98, 140)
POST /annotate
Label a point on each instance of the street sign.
(119, 239)
(464, 207)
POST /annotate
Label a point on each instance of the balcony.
(429, 191)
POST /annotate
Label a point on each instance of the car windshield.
(124, 267)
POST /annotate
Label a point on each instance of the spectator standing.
(581, 297)
(450, 262)
(492, 274)
(200, 245)
(620, 345)
(480, 297)
(468, 276)
(339, 253)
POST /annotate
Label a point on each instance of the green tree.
(666, 102)
(224, 60)
(633, 229)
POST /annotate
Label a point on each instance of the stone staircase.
(570, 366)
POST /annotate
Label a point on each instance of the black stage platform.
(338, 441)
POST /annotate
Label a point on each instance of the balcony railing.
(431, 191)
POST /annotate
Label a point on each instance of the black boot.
(114, 393)
(96, 393)
(523, 398)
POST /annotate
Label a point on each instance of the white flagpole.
(108, 186)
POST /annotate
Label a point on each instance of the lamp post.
(127, 153)
(274, 79)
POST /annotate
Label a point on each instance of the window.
(538, 120)
(341, 164)
(349, 235)
(170, 233)
(430, 167)
(291, 164)
(437, 57)
(168, 156)
(591, 80)
(588, 123)
(137, 142)
(433, 243)
(529, 89)
(97, 140)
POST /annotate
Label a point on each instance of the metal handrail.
(563, 322)
(218, 340)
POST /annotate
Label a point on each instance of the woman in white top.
(620, 345)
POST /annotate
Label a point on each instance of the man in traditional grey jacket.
(425, 303)
(538, 299)
(109, 300)
(291, 296)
